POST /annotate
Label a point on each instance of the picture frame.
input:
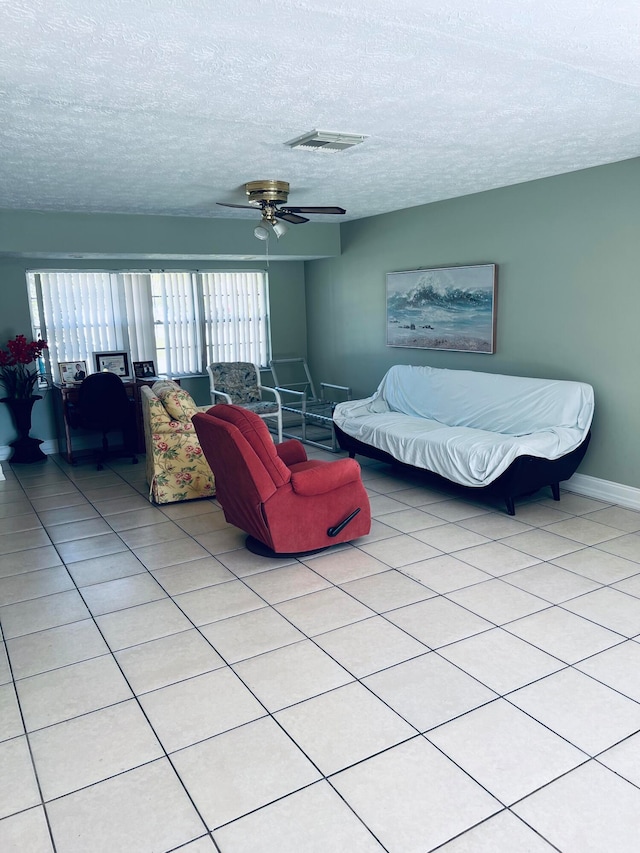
(72, 372)
(144, 369)
(444, 308)
(113, 362)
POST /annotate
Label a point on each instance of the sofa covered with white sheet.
(502, 435)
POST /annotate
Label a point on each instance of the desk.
(63, 395)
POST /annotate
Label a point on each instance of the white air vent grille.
(326, 140)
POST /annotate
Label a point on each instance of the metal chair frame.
(305, 404)
(215, 394)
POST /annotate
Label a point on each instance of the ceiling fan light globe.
(279, 229)
(261, 232)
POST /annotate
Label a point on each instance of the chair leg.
(105, 452)
(129, 439)
(268, 418)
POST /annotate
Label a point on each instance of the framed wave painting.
(447, 308)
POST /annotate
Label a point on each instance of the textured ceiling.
(167, 106)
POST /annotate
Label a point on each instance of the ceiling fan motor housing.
(270, 191)
(267, 195)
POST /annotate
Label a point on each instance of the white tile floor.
(458, 680)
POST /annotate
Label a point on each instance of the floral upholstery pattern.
(238, 379)
(176, 467)
(178, 402)
(238, 383)
(262, 408)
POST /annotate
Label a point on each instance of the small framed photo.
(72, 372)
(144, 369)
(113, 362)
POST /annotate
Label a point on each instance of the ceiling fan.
(268, 196)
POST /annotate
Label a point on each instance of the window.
(176, 322)
(236, 317)
(180, 320)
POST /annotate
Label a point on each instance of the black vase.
(25, 448)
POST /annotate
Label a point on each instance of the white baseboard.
(603, 490)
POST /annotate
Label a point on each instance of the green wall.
(287, 303)
(568, 255)
(39, 240)
(30, 233)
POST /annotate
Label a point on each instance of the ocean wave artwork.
(449, 308)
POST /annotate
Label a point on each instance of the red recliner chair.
(285, 502)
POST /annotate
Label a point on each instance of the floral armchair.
(176, 467)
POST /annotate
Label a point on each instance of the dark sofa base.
(525, 475)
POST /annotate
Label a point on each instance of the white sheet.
(468, 426)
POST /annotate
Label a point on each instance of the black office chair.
(103, 405)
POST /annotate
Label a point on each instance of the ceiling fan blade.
(290, 217)
(244, 206)
(315, 209)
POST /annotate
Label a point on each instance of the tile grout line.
(336, 586)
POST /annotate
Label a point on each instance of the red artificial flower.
(17, 379)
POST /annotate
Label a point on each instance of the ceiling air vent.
(326, 140)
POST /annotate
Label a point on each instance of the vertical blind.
(82, 310)
(176, 322)
(138, 309)
(181, 321)
(236, 320)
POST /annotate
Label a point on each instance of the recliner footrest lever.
(333, 531)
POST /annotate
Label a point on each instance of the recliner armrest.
(325, 478)
(291, 452)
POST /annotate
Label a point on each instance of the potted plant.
(19, 378)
